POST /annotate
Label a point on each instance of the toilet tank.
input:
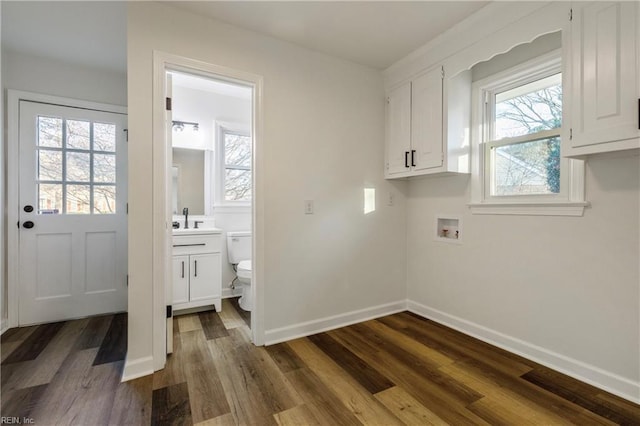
(238, 246)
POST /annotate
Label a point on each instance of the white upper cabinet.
(398, 129)
(419, 140)
(604, 85)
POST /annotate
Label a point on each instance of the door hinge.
(127, 280)
(126, 134)
(442, 71)
(570, 134)
(169, 311)
(18, 224)
(168, 104)
(570, 14)
(127, 208)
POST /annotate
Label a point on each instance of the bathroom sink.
(194, 231)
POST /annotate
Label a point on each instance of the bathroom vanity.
(197, 269)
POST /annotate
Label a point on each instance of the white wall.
(51, 77)
(323, 140)
(562, 290)
(42, 75)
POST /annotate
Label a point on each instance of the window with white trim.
(517, 119)
(234, 162)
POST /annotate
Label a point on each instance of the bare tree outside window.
(532, 166)
(237, 163)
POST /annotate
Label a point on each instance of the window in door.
(76, 171)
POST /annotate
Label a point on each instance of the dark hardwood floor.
(399, 369)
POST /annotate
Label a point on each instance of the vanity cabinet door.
(206, 276)
(180, 279)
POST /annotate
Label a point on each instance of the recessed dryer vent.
(448, 228)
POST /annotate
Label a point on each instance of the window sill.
(530, 209)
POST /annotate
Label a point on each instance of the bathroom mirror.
(188, 180)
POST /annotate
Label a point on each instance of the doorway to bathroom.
(209, 124)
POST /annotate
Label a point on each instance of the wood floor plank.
(189, 322)
(114, 345)
(296, 416)
(284, 357)
(206, 394)
(171, 407)
(256, 387)
(355, 397)
(321, 401)
(455, 345)
(407, 408)
(362, 372)
(42, 369)
(619, 405)
(7, 348)
(212, 325)
(245, 315)
(431, 395)
(578, 393)
(510, 405)
(223, 420)
(132, 402)
(95, 332)
(80, 393)
(17, 334)
(173, 371)
(230, 316)
(20, 402)
(33, 345)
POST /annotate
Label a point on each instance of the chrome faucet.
(185, 212)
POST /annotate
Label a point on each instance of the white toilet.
(239, 253)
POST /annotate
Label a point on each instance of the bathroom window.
(236, 162)
(518, 123)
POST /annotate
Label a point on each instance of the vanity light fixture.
(178, 126)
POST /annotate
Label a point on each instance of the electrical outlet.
(308, 206)
(390, 199)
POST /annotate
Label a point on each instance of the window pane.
(78, 199)
(237, 185)
(104, 137)
(50, 132)
(78, 136)
(104, 168)
(104, 199)
(49, 165)
(527, 168)
(49, 199)
(237, 150)
(78, 167)
(529, 108)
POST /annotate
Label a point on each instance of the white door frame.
(163, 62)
(13, 129)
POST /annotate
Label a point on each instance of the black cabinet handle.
(406, 159)
(413, 162)
(183, 269)
(195, 268)
(189, 245)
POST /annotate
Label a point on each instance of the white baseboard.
(329, 323)
(230, 292)
(137, 368)
(595, 376)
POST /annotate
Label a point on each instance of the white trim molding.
(308, 328)
(136, 368)
(593, 375)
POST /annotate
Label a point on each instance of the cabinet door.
(180, 279)
(605, 75)
(426, 120)
(398, 128)
(206, 276)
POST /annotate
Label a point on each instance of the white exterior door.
(73, 223)
(426, 120)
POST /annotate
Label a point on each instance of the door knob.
(28, 224)
(28, 209)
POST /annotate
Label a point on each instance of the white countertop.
(194, 231)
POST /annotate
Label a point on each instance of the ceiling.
(372, 33)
